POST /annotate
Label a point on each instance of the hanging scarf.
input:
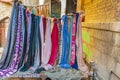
(8, 49)
(75, 65)
(17, 49)
(73, 41)
(65, 44)
(24, 29)
(81, 64)
(59, 42)
(32, 44)
(28, 41)
(48, 44)
(44, 26)
(42, 39)
(70, 19)
(54, 49)
(46, 49)
(37, 60)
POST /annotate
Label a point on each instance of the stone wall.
(101, 36)
(5, 10)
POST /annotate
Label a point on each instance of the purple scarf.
(17, 49)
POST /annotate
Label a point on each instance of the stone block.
(113, 77)
(116, 39)
(118, 69)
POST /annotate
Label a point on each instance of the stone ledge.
(112, 26)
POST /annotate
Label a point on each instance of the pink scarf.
(73, 41)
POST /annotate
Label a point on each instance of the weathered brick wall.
(101, 36)
(100, 10)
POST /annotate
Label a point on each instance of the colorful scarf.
(65, 44)
(54, 49)
(24, 29)
(81, 64)
(37, 61)
(75, 65)
(46, 48)
(17, 49)
(73, 41)
(10, 42)
(32, 45)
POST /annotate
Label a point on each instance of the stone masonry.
(5, 10)
(101, 36)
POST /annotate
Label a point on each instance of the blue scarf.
(24, 29)
(10, 42)
(65, 44)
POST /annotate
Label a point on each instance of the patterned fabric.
(73, 41)
(58, 73)
(10, 42)
(33, 50)
(17, 50)
(81, 64)
(75, 65)
(59, 42)
(24, 29)
(28, 41)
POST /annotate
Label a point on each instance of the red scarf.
(54, 37)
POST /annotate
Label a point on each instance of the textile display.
(34, 46)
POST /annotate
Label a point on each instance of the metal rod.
(115, 74)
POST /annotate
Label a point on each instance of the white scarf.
(81, 64)
(47, 45)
